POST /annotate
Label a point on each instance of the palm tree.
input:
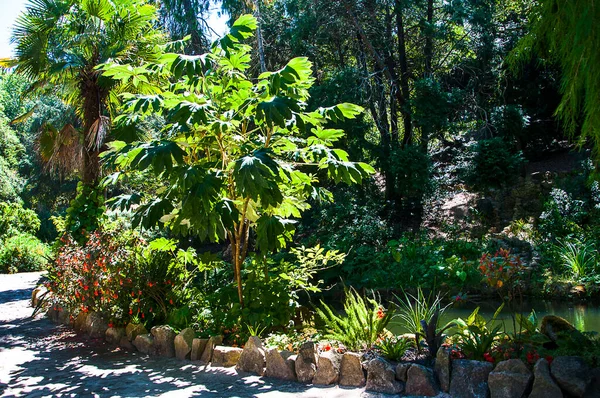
(60, 45)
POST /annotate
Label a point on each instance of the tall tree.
(187, 17)
(59, 45)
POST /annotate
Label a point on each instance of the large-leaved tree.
(240, 159)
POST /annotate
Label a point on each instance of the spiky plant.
(361, 324)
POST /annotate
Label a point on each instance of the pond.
(584, 316)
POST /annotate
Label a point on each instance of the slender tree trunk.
(428, 73)
(259, 37)
(404, 76)
(93, 97)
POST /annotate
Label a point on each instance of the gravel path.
(38, 358)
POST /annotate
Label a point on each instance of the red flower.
(549, 358)
(110, 325)
(488, 357)
(171, 301)
(380, 313)
(86, 287)
(130, 311)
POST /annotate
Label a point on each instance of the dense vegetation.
(319, 147)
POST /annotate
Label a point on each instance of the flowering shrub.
(113, 275)
(501, 271)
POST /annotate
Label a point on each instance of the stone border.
(461, 378)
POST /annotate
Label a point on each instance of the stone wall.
(564, 376)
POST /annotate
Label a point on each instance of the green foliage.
(579, 257)
(238, 155)
(393, 347)
(493, 164)
(414, 309)
(14, 219)
(11, 152)
(22, 252)
(361, 324)
(476, 336)
(566, 32)
(412, 170)
(85, 212)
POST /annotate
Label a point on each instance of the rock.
(421, 381)
(183, 343)
(164, 340)
(593, 390)
(144, 343)
(64, 317)
(402, 371)
(552, 324)
(210, 346)
(126, 344)
(381, 377)
(306, 362)
(79, 323)
(114, 335)
(280, 365)
(226, 356)
(328, 371)
(572, 374)
(132, 330)
(198, 346)
(543, 384)
(95, 325)
(442, 367)
(253, 357)
(351, 370)
(510, 379)
(469, 379)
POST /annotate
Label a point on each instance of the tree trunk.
(259, 37)
(404, 76)
(93, 98)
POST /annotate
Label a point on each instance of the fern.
(360, 326)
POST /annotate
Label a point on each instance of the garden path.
(38, 358)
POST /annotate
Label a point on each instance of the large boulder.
(469, 379)
(212, 342)
(164, 340)
(510, 379)
(183, 343)
(280, 365)
(226, 356)
(421, 381)
(114, 335)
(328, 371)
(144, 343)
(351, 370)
(381, 377)
(198, 347)
(306, 362)
(253, 357)
(572, 374)
(95, 325)
(552, 325)
(443, 363)
(543, 384)
(132, 330)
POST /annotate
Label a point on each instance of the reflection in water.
(585, 317)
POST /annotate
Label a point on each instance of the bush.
(23, 253)
(14, 219)
(493, 164)
(120, 276)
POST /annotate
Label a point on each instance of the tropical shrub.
(414, 310)
(119, 276)
(236, 155)
(578, 257)
(23, 252)
(361, 324)
(477, 337)
(502, 272)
